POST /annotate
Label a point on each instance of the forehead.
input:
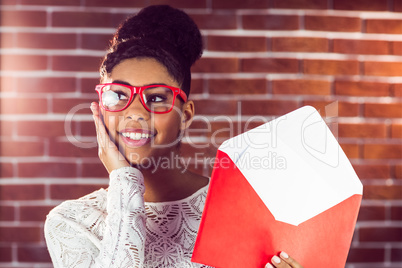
(141, 71)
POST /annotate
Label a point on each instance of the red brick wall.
(262, 57)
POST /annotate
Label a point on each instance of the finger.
(101, 132)
(108, 151)
(96, 114)
(95, 108)
(279, 263)
(289, 260)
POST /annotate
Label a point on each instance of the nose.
(136, 110)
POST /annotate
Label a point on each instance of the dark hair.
(161, 32)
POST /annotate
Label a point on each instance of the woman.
(149, 215)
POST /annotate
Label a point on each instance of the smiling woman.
(149, 215)
(154, 111)
(263, 59)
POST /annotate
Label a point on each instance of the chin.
(152, 159)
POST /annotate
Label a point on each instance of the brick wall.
(263, 58)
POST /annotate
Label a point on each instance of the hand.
(284, 261)
(108, 152)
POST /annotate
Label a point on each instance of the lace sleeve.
(73, 243)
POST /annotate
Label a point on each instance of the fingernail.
(276, 259)
(284, 255)
(268, 265)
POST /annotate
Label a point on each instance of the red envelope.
(284, 186)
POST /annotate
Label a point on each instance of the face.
(143, 137)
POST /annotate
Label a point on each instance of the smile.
(136, 137)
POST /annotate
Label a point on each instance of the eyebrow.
(128, 84)
(120, 82)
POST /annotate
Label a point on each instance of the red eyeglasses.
(155, 98)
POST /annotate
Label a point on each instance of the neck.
(165, 180)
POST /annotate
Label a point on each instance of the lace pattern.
(116, 228)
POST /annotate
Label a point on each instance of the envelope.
(283, 186)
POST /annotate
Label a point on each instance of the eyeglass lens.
(156, 99)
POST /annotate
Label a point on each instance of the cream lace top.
(116, 228)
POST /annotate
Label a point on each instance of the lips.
(136, 137)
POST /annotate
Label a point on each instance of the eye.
(155, 98)
(121, 95)
(113, 98)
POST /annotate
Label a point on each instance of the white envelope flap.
(295, 165)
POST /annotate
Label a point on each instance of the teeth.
(135, 135)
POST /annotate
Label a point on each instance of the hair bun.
(162, 23)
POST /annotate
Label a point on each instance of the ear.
(187, 115)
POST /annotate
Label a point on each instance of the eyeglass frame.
(138, 90)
